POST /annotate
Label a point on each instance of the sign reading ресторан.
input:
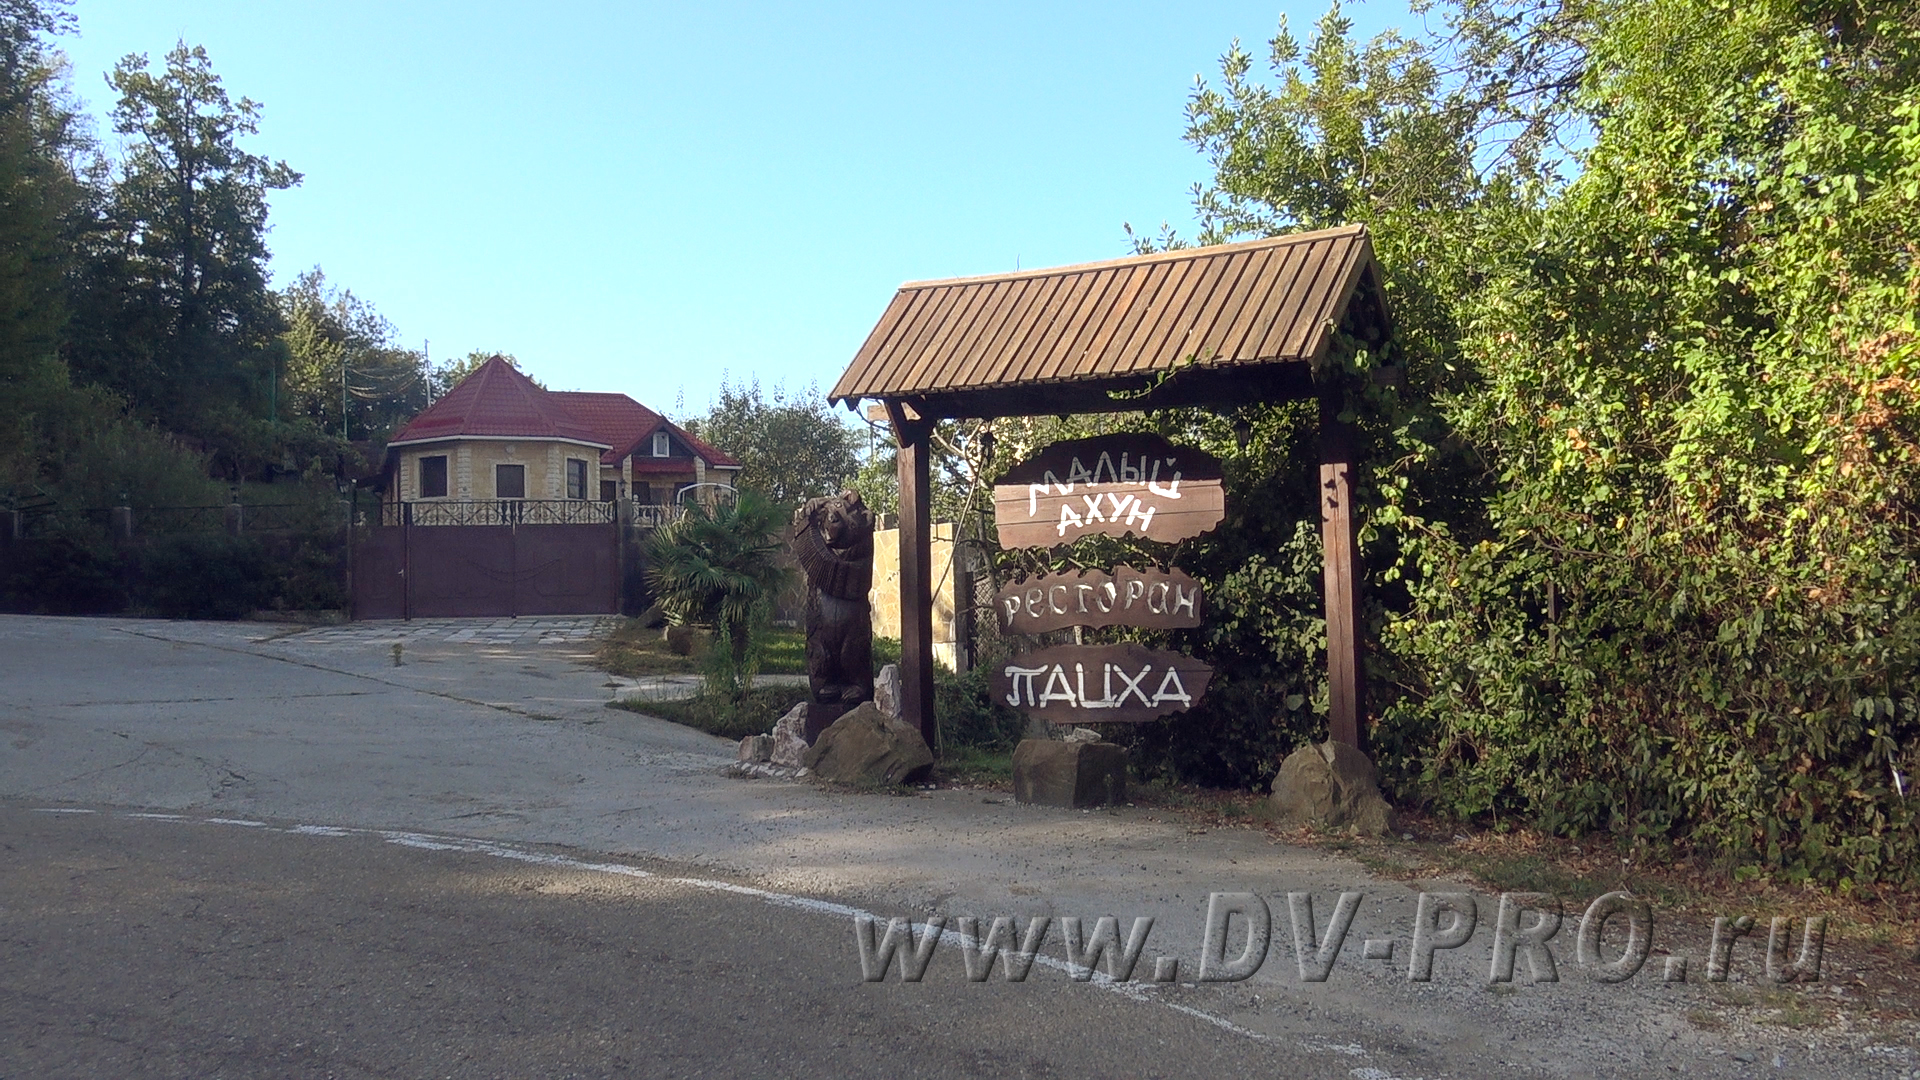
(1100, 684)
(1111, 485)
(1153, 599)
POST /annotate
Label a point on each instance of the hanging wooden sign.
(1101, 684)
(1155, 599)
(1111, 485)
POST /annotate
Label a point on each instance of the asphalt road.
(436, 888)
(183, 947)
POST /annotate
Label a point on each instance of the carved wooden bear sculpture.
(833, 539)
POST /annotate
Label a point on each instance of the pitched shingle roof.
(1232, 306)
(494, 399)
(497, 400)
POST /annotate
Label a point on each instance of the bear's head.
(843, 520)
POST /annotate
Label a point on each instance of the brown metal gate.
(489, 560)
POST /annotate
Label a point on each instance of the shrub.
(209, 576)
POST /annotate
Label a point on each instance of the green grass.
(783, 652)
(754, 715)
(975, 767)
(633, 649)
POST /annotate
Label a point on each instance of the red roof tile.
(499, 401)
(616, 419)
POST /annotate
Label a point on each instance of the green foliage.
(790, 445)
(71, 571)
(174, 312)
(718, 568)
(967, 715)
(204, 576)
(1642, 507)
(342, 371)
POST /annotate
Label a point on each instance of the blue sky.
(647, 197)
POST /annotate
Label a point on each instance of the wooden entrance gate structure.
(1216, 326)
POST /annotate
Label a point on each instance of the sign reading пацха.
(1112, 485)
(1101, 684)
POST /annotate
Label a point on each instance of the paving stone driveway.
(532, 630)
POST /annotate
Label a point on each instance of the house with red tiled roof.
(498, 436)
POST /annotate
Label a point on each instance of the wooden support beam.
(1345, 677)
(914, 436)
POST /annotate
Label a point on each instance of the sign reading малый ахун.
(1113, 485)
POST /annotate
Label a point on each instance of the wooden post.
(1346, 680)
(913, 434)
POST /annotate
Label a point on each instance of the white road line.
(61, 810)
(432, 842)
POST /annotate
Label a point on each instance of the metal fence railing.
(648, 516)
(42, 522)
(500, 512)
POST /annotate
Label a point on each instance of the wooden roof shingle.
(957, 347)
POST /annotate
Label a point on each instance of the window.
(661, 445)
(576, 478)
(609, 490)
(433, 477)
(642, 492)
(509, 481)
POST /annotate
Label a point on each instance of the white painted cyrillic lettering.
(1178, 693)
(1059, 677)
(1018, 674)
(1186, 598)
(1067, 516)
(1132, 686)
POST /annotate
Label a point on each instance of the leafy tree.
(175, 310)
(39, 194)
(791, 446)
(718, 568)
(1642, 524)
(341, 353)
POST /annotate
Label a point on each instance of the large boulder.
(1072, 774)
(789, 749)
(1332, 786)
(866, 746)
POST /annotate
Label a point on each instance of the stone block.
(756, 748)
(886, 690)
(789, 738)
(1070, 774)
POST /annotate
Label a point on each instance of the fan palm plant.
(717, 568)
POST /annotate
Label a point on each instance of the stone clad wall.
(949, 574)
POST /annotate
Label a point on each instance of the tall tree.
(344, 372)
(39, 193)
(179, 316)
